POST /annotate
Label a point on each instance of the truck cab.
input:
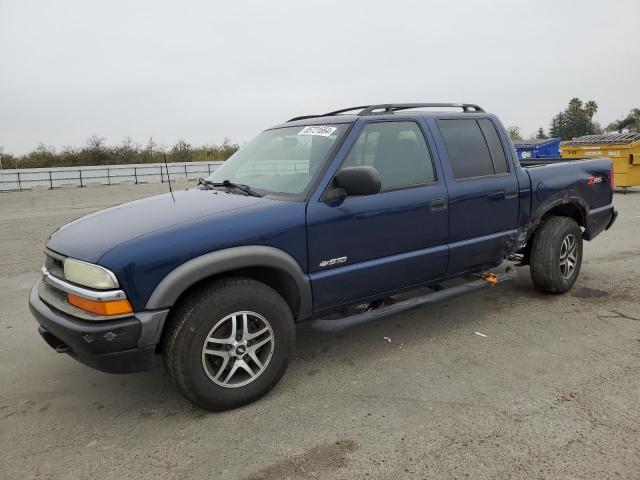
(318, 217)
(422, 224)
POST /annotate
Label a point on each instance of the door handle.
(511, 193)
(438, 204)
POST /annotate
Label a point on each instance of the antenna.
(166, 167)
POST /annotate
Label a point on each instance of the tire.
(208, 314)
(552, 268)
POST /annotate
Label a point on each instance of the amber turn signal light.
(106, 308)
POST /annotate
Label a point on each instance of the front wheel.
(556, 255)
(229, 343)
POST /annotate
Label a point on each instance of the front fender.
(181, 278)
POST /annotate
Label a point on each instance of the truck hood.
(89, 237)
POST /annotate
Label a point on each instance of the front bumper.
(123, 345)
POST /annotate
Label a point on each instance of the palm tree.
(590, 108)
(575, 104)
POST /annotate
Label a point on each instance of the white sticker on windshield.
(320, 130)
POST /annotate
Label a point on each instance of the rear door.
(483, 193)
(365, 246)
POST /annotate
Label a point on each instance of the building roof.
(534, 143)
(615, 139)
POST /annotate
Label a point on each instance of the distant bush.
(97, 152)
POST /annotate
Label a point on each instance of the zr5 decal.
(594, 179)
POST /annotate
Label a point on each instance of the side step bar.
(487, 280)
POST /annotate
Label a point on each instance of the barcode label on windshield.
(320, 130)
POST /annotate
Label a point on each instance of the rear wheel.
(556, 255)
(229, 343)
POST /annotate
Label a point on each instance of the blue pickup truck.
(325, 218)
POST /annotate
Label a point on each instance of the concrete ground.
(552, 391)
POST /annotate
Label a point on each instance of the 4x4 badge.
(333, 261)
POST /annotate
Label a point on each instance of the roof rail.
(391, 108)
(329, 114)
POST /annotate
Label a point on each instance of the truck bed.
(585, 181)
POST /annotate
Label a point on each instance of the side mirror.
(364, 180)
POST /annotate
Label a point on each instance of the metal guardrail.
(50, 178)
(25, 179)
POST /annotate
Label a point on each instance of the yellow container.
(622, 149)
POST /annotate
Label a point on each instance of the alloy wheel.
(568, 256)
(238, 349)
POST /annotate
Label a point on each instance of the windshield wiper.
(229, 184)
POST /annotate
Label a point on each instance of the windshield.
(283, 160)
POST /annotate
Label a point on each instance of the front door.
(366, 246)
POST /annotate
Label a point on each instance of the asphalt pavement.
(551, 388)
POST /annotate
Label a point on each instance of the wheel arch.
(565, 207)
(269, 265)
(573, 208)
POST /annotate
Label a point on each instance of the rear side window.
(397, 150)
(495, 146)
(474, 148)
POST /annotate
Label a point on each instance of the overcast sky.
(208, 70)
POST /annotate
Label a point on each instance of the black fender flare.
(167, 292)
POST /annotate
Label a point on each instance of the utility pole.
(1, 176)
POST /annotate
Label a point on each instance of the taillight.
(611, 178)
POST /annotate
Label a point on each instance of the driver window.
(397, 150)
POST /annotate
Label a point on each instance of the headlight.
(88, 275)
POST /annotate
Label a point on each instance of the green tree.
(514, 132)
(6, 160)
(127, 151)
(97, 150)
(541, 135)
(630, 123)
(635, 116)
(597, 128)
(574, 121)
(149, 151)
(181, 150)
